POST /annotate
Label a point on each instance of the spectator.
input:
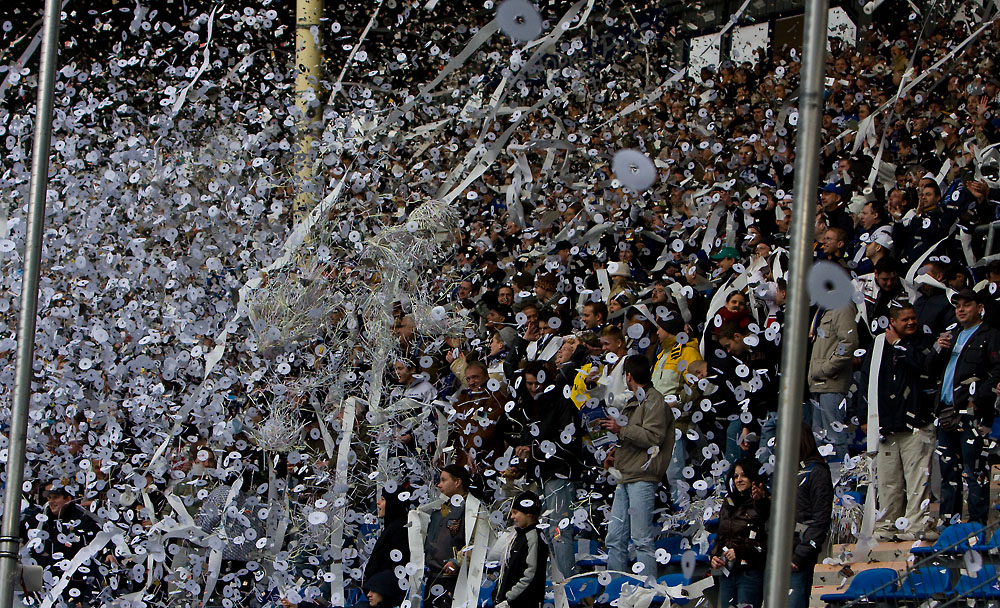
(898, 390)
(645, 432)
(391, 549)
(762, 361)
(445, 535)
(411, 385)
(834, 336)
(522, 571)
(966, 408)
(740, 549)
(549, 447)
(478, 412)
(672, 363)
(60, 530)
(383, 590)
(595, 316)
(934, 310)
(813, 506)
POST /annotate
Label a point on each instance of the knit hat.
(674, 325)
(456, 470)
(528, 503)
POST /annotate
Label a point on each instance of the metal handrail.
(992, 528)
(958, 597)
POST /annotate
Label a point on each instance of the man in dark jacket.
(970, 355)
(445, 536)
(58, 533)
(934, 311)
(549, 449)
(896, 397)
(522, 570)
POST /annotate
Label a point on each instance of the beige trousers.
(903, 465)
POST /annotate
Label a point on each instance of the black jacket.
(551, 418)
(977, 373)
(743, 528)
(934, 315)
(522, 571)
(393, 536)
(813, 509)
(905, 392)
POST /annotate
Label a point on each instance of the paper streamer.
(212, 358)
(338, 85)
(215, 556)
(25, 56)
(878, 346)
(477, 534)
(477, 41)
(103, 538)
(417, 521)
(205, 62)
(337, 592)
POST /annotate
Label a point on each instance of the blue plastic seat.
(920, 585)
(702, 558)
(863, 584)
(672, 544)
(982, 586)
(955, 534)
(486, 593)
(856, 497)
(613, 590)
(674, 580)
(579, 589)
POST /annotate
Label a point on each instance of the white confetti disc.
(634, 169)
(829, 286)
(519, 19)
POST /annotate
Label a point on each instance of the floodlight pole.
(794, 363)
(17, 440)
(308, 65)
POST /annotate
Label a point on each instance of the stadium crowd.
(610, 369)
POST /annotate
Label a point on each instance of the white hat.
(883, 236)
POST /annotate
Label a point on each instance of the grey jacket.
(650, 425)
(835, 339)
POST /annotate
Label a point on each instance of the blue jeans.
(743, 589)
(961, 451)
(632, 518)
(768, 431)
(675, 470)
(558, 495)
(830, 410)
(800, 585)
(733, 451)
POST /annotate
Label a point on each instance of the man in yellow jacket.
(672, 364)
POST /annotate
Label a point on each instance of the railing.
(989, 230)
(943, 556)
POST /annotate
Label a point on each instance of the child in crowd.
(522, 568)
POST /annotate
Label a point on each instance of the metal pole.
(308, 63)
(794, 364)
(9, 533)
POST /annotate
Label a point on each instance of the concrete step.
(819, 591)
